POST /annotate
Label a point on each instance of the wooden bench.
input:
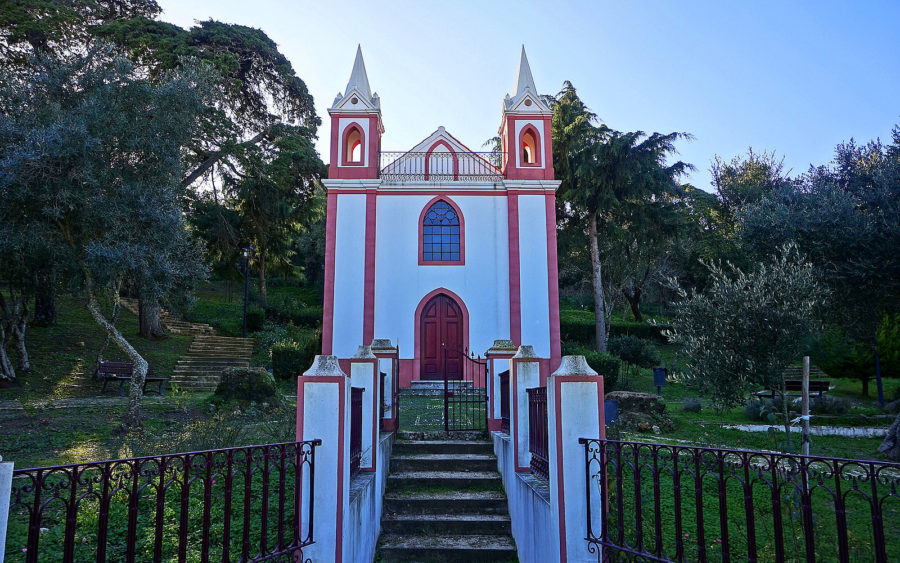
(121, 372)
(794, 387)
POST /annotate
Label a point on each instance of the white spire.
(358, 78)
(523, 77)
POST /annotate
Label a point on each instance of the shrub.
(691, 405)
(290, 358)
(247, 384)
(606, 365)
(638, 330)
(634, 350)
(289, 309)
(256, 318)
(577, 327)
(762, 410)
(827, 404)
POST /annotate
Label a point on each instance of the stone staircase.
(208, 354)
(445, 502)
(426, 388)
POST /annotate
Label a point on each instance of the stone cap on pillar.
(526, 352)
(363, 353)
(383, 346)
(501, 347)
(574, 365)
(325, 365)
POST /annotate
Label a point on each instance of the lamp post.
(245, 269)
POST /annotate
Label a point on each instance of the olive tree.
(740, 333)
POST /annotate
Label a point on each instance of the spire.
(358, 78)
(523, 77)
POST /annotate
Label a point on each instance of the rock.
(80, 344)
(656, 429)
(893, 407)
(630, 401)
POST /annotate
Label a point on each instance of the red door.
(442, 330)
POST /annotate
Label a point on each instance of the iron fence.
(661, 502)
(465, 399)
(538, 442)
(504, 401)
(238, 504)
(356, 417)
(398, 166)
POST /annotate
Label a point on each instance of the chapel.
(441, 247)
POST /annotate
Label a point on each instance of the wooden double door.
(442, 339)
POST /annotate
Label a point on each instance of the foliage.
(256, 318)
(578, 327)
(606, 365)
(291, 358)
(634, 350)
(839, 355)
(692, 405)
(247, 384)
(829, 404)
(288, 308)
(748, 326)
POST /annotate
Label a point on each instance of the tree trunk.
(787, 418)
(865, 386)
(132, 418)
(45, 295)
(150, 324)
(600, 332)
(19, 326)
(632, 294)
(7, 371)
(890, 446)
(113, 319)
(261, 264)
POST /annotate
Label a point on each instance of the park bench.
(795, 386)
(121, 372)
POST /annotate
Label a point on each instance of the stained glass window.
(440, 232)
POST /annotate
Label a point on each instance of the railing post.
(498, 357)
(323, 411)
(387, 355)
(526, 373)
(574, 410)
(364, 374)
(6, 472)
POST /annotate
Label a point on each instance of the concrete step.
(446, 447)
(189, 361)
(397, 547)
(430, 502)
(223, 354)
(443, 462)
(446, 524)
(232, 339)
(455, 480)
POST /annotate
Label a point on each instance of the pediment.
(354, 100)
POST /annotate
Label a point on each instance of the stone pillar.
(364, 374)
(525, 374)
(498, 357)
(323, 412)
(6, 471)
(389, 364)
(574, 410)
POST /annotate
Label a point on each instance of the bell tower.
(525, 131)
(356, 128)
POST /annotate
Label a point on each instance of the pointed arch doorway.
(441, 329)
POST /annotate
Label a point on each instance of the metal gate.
(465, 399)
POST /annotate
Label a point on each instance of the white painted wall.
(533, 277)
(366, 503)
(400, 283)
(349, 274)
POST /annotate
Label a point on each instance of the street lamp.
(245, 269)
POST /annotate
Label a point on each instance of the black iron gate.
(465, 399)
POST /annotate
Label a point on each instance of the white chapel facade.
(439, 246)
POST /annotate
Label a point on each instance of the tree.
(742, 332)
(611, 177)
(90, 165)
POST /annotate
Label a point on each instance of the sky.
(792, 77)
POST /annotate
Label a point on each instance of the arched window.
(530, 154)
(353, 145)
(442, 240)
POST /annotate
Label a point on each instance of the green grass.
(63, 357)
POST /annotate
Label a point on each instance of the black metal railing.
(249, 504)
(504, 401)
(438, 166)
(356, 417)
(538, 441)
(681, 503)
(465, 399)
(381, 404)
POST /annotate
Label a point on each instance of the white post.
(526, 373)
(6, 472)
(498, 357)
(387, 355)
(323, 412)
(805, 410)
(364, 374)
(574, 410)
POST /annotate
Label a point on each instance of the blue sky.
(794, 77)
